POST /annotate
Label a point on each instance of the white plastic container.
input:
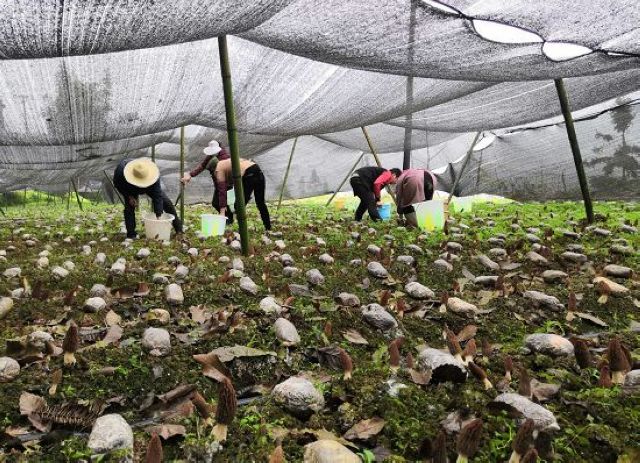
(212, 224)
(430, 215)
(158, 229)
(462, 204)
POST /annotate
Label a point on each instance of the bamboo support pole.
(75, 189)
(153, 153)
(69, 196)
(575, 148)
(181, 173)
(115, 190)
(345, 179)
(286, 173)
(232, 135)
(464, 166)
(375, 156)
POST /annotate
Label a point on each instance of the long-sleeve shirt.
(374, 177)
(411, 187)
(222, 175)
(127, 189)
(380, 182)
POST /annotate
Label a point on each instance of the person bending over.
(218, 163)
(134, 177)
(414, 186)
(367, 184)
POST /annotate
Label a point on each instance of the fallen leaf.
(467, 274)
(212, 367)
(354, 337)
(593, 319)
(112, 318)
(365, 429)
(467, 333)
(419, 377)
(30, 403)
(113, 335)
(486, 297)
(226, 354)
(15, 431)
(198, 313)
(167, 431)
(142, 290)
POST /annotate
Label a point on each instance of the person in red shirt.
(367, 184)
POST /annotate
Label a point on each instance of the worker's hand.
(378, 203)
(133, 202)
(185, 179)
(158, 216)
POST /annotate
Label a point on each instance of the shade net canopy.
(86, 83)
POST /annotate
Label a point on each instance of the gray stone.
(575, 257)
(67, 264)
(291, 271)
(415, 248)
(182, 271)
(174, 260)
(160, 278)
(193, 252)
(614, 288)
(450, 257)
(110, 432)
(236, 245)
(488, 263)
(59, 272)
(543, 419)
(542, 299)
(39, 339)
(533, 230)
(157, 341)
(286, 332)
(314, 277)
(498, 253)
(143, 253)
(457, 305)
(224, 259)
(486, 280)
(269, 305)
(9, 369)
(442, 365)
(119, 267)
(418, 291)
(237, 264)
(160, 316)
(348, 300)
(536, 258)
(618, 271)
(532, 238)
(377, 316)
(280, 244)
(328, 451)
(554, 276)
(101, 258)
(570, 234)
(452, 246)
(631, 380)
(377, 270)
(373, 249)
(300, 290)
(299, 396)
(326, 259)
(94, 304)
(628, 228)
(443, 265)
(575, 247)
(549, 344)
(42, 262)
(406, 260)
(601, 231)
(13, 272)
(286, 260)
(248, 286)
(6, 304)
(622, 249)
(355, 262)
(493, 241)
(173, 294)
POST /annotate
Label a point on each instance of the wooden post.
(464, 166)
(181, 173)
(153, 153)
(232, 135)
(575, 148)
(286, 173)
(77, 195)
(345, 179)
(375, 156)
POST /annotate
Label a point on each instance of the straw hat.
(142, 172)
(212, 148)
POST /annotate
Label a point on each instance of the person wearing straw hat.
(134, 177)
(218, 162)
(413, 186)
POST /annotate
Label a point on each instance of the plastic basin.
(462, 204)
(385, 211)
(158, 229)
(430, 215)
(212, 224)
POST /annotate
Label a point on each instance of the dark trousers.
(252, 182)
(130, 215)
(367, 199)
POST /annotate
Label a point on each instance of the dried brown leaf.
(354, 337)
(365, 429)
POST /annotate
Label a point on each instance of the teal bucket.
(385, 211)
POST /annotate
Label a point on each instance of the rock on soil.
(248, 286)
(94, 304)
(457, 305)
(575, 257)
(443, 265)
(299, 396)
(286, 332)
(377, 316)
(173, 294)
(418, 291)
(9, 369)
(98, 290)
(536, 258)
(618, 271)
(442, 365)
(314, 277)
(377, 270)
(488, 263)
(329, 451)
(6, 304)
(13, 272)
(160, 279)
(543, 419)
(110, 432)
(406, 260)
(554, 276)
(550, 344)
(269, 305)
(326, 259)
(291, 271)
(348, 299)
(59, 272)
(542, 299)
(614, 288)
(157, 341)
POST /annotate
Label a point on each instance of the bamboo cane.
(286, 173)
(375, 156)
(181, 173)
(337, 190)
(75, 189)
(464, 166)
(114, 187)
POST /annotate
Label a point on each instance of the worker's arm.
(380, 182)
(155, 193)
(196, 170)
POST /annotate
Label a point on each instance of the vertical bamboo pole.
(181, 173)
(75, 189)
(153, 153)
(375, 156)
(464, 166)
(114, 187)
(408, 129)
(346, 178)
(69, 196)
(575, 148)
(232, 135)
(286, 173)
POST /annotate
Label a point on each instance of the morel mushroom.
(226, 409)
(618, 361)
(508, 367)
(523, 441)
(469, 440)
(605, 377)
(469, 351)
(203, 408)
(581, 352)
(346, 363)
(453, 344)
(425, 452)
(70, 344)
(394, 355)
(277, 456)
(154, 450)
(524, 383)
(440, 448)
(480, 375)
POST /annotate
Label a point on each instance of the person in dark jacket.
(367, 184)
(142, 176)
(218, 163)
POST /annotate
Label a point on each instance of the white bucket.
(158, 229)
(462, 203)
(231, 199)
(212, 224)
(430, 215)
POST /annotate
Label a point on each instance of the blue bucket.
(385, 211)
